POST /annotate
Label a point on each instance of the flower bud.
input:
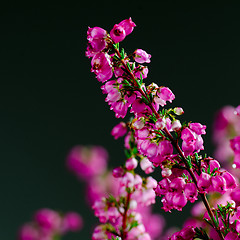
(117, 172)
(141, 56)
(131, 164)
(178, 111)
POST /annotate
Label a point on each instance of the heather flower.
(101, 66)
(87, 162)
(48, 219)
(72, 222)
(119, 130)
(131, 164)
(117, 33)
(204, 182)
(164, 94)
(96, 40)
(141, 56)
(128, 25)
(146, 165)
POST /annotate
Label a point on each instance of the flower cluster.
(48, 224)
(154, 134)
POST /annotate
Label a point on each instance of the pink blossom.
(118, 172)
(28, 232)
(119, 130)
(131, 164)
(198, 128)
(237, 110)
(97, 40)
(230, 180)
(72, 221)
(164, 94)
(128, 25)
(232, 236)
(191, 192)
(48, 219)
(87, 162)
(101, 66)
(204, 182)
(178, 111)
(179, 200)
(141, 72)
(120, 108)
(117, 33)
(218, 184)
(235, 144)
(146, 165)
(141, 56)
(165, 148)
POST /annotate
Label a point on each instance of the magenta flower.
(204, 182)
(96, 40)
(119, 130)
(101, 66)
(28, 232)
(48, 219)
(141, 56)
(72, 221)
(198, 128)
(131, 164)
(117, 33)
(164, 94)
(87, 162)
(128, 25)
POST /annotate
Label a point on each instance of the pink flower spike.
(119, 130)
(235, 144)
(141, 56)
(128, 25)
(117, 33)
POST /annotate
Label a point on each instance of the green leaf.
(133, 224)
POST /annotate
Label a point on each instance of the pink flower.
(179, 200)
(190, 191)
(204, 182)
(237, 110)
(101, 66)
(128, 25)
(198, 128)
(28, 232)
(218, 184)
(230, 180)
(97, 40)
(165, 148)
(235, 144)
(87, 162)
(72, 221)
(146, 165)
(119, 130)
(141, 56)
(164, 94)
(117, 33)
(131, 164)
(48, 219)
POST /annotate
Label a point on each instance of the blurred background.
(50, 102)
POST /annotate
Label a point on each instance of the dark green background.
(49, 100)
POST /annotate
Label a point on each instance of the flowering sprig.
(155, 133)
